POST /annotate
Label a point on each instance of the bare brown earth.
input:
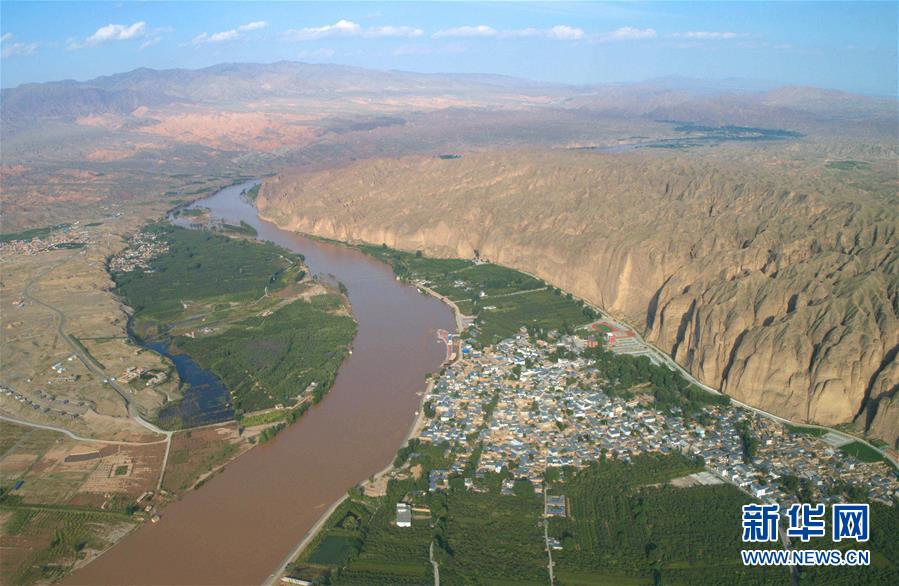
(764, 271)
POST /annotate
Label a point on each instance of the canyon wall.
(773, 281)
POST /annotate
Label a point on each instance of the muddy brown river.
(240, 525)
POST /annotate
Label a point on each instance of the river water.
(239, 526)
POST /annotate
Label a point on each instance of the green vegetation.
(739, 133)
(263, 418)
(539, 311)
(847, 165)
(252, 193)
(671, 392)
(243, 229)
(801, 429)
(191, 212)
(202, 265)
(625, 523)
(883, 545)
(863, 452)
(491, 538)
(265, 343)
(749, 442)
(193, 455)
(55, 538)
(503, 299)
(31, 234)
(268, 360)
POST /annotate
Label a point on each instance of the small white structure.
(403, 515)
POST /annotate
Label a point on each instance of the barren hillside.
(768, 273)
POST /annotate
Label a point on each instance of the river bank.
(235, 530)
(414, 430)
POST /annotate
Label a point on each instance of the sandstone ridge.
(779, 286)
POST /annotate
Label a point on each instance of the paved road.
(435, 565)
(77, 437)
(512, 294)
(549, 551)
(92, 365)
(674, 365)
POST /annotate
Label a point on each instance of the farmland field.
(619, 525)
(265, 360)
(42, 545)
(196, 452)
(503, 299)
(244, 310)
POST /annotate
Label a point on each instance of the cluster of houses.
(69, 238)
(48, 404)
(154, 377)
(514, 406)
(142, 248)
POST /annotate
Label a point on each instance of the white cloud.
(383, 32)
(564, 32)
(117, 32)
(228, 35)
(253, 26)
(122, 32)
(481, 30)
(560, 32)
(348, 28)
(627, 33)
(12, 49)
(708, 35)
(341, 28)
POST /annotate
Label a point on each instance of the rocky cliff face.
(779, 286)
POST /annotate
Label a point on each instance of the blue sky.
(849, 46)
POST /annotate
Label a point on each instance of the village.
(535, 406)
(143, 247)
(74, 236)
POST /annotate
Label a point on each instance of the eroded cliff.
(775, 281)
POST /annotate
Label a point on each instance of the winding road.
(675, 366)
(94, 368)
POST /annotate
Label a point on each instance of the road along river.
(239, 526)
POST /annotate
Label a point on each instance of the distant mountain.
(732, 101)
(72, 99)
(796, 108)
(241, 82)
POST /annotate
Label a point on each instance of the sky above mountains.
(848, 46)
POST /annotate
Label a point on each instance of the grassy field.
(503, 299)
(801, 429)
(863, 452)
